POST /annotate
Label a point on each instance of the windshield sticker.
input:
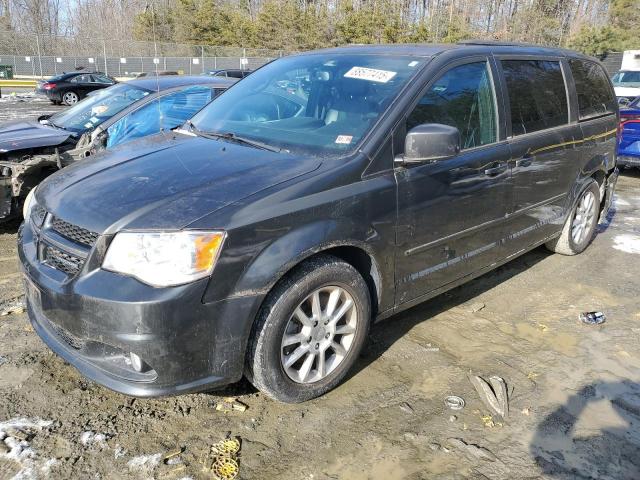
(94, 119)
(344, 139)
(88, 125)
(371, 74)
(414, 63)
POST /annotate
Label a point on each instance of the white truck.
(627, 81)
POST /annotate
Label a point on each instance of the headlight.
(163, 259)
(29, 202)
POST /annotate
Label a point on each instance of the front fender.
(292, 248)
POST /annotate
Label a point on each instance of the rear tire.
(310, 331)
(580, 226)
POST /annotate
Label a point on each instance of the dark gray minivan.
(323, 192)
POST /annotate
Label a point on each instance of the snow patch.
(11, 433)
(144, 462)
(627, 243)
(90, 438)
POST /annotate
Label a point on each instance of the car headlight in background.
(29, 202)
(164, 259)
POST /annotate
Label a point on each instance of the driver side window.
(464, 98)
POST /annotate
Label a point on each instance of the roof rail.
(498, 43)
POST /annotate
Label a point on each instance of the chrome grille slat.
(74, 233)
(63, 261)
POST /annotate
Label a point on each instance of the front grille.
(67, 337)
(74, 233)
(63, 261)
(37, 215)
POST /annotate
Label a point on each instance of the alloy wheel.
(70, 98)
(319, 334)
(584, 217)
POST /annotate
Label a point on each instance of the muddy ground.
(574, 389)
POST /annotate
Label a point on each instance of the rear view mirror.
(430, 142)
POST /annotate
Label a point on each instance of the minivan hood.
(20, 135)
(164, 181)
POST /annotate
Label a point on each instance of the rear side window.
(537, 95)
(81, 79)
(595, 96)
(463, 98)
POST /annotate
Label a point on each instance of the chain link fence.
(39, 56)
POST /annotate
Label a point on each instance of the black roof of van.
(466, 47)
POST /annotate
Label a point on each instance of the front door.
(451, 212)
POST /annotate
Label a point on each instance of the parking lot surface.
(574, 389)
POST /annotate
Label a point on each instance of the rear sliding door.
(543, 136)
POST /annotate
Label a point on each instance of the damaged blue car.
(31, 150)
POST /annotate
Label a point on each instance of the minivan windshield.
(321, 104)
(98, 108)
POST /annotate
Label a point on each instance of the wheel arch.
(354, 253)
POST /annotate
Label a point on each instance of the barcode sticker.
(371, 74)
(345, 139)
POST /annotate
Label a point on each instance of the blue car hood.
(29, 134)
(164, 181)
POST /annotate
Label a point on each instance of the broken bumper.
(96, 321)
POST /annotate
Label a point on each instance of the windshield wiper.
(232, 137)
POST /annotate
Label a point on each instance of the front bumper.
(628, 161)
(95, 320)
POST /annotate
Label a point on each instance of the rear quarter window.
(537, 95)
(595, 95)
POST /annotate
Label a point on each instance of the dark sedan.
(32, 150)
(69, 88)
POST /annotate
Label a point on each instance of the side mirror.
(430, 142)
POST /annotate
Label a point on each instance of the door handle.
(494, 171)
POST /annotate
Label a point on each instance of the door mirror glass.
(430, 142)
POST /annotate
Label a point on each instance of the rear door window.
(595, 96)
(537, 95)
(81, 79)
(463, 98)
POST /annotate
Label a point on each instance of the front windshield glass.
(93, 110)
(321, 104)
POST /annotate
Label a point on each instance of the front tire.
(580, 226)
(70, 98)
(310, 330)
